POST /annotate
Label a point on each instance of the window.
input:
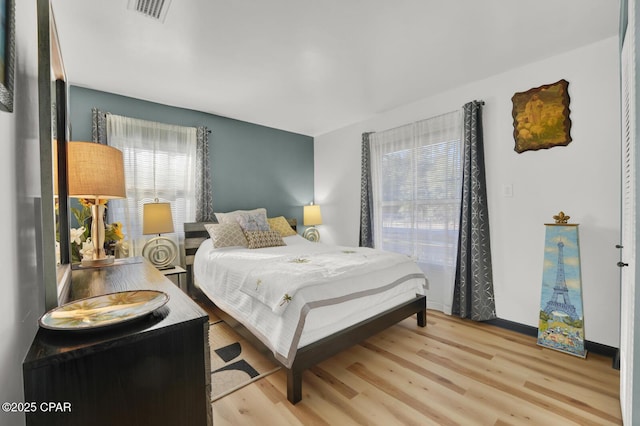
(159, 162)
(416, 179)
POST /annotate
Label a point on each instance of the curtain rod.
(109, 113)
(480, 101)
(418, 121)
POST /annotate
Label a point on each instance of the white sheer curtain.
(416, 182)
(160, 162)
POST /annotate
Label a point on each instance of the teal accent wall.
(251, 165)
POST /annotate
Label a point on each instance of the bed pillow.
(262, 239)
(253, 221)
(281, 225)
(230, 217)
(226, 235)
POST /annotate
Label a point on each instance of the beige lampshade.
(312, 215)
(96, 171)
(156, 218)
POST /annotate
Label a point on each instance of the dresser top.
(133, 274)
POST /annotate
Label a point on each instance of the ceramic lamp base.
(161, 252)
(311, 234)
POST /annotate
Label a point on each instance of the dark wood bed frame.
(320, 350)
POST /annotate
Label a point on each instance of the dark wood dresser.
(151, 371)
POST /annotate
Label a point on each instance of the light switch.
(507, 190)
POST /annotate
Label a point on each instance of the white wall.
(582, 179)
(22, 300)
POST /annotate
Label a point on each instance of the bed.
(305, 318)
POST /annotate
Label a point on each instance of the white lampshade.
(312, 215)
(156, 218)
(96, 171)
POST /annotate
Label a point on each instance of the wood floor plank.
(607, 387)
(570, 399)
(302, 412)
(492, 341)
(422, 406)
(249, 407)
(444, 402)
(383, 410)
(334, 382)
(271, 392)
(349, 412)
(514, 411)
(441, 380)
(474, 359)
(453, 371)
(514, 389)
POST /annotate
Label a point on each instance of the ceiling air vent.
(156, 9)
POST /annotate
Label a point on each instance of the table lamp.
(96, 174)
(157, 219)
(311, 217)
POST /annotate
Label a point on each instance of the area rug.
(234, 362)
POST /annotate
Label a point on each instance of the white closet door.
(627, 308)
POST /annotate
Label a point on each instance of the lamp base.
(164, 268)
(161, 252)
(311, 234)
(94, 263)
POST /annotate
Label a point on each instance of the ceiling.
(313, 66)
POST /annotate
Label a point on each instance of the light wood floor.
(451, 372)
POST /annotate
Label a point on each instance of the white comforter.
(274, 290)
(274, 276)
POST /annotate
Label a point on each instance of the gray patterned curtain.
(204, 196)
(366, 218)
(473, 289)
(98, 126)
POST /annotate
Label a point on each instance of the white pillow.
(230, 217)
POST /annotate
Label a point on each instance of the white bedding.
(341, 286)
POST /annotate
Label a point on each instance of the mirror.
(52, 95)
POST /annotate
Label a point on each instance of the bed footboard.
(317, 352)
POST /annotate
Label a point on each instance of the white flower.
(76, 235)
(87, 249)
(122, 249)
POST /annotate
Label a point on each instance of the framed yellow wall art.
(541, 117)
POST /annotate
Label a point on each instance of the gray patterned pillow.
(226, 235)
(253, 222)
(262, 239)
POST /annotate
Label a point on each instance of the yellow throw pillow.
(281, 225)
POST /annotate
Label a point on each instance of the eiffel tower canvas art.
(561, 324)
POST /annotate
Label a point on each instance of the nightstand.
(177, 275)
